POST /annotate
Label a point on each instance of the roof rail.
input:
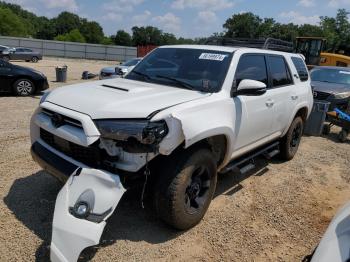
(262, 43)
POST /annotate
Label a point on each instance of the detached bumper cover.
(102, 192)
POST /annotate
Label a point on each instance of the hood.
(26, 69)
(330, 88)
(120, 98)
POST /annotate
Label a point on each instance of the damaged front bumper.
(83, 205)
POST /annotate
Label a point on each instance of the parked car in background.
(2, 48)
(21, 53)
(21, 81)
(119, 70)
(331, 84)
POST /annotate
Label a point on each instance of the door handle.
(295, 97)
(270, 103)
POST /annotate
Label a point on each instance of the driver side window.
(252, 67)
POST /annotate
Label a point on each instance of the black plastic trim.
(54, 164)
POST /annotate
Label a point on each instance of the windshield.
(131, 62)
(195, 69)
(337, 76)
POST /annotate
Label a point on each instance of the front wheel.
(185, 188)
(23, 87)
(290, 142)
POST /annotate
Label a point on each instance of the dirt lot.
(276, 213)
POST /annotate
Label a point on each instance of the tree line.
(15, 21)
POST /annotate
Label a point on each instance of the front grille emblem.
(315, 94)
(57, 120)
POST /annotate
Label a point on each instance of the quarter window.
(252, 67)
(301, 68)
(279, 71)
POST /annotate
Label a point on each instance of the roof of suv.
(228, 49)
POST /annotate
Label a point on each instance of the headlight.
(145, 132)
(342, 95)
(43, 97)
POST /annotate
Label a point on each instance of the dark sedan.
(331, 84)
(21, 53)
(21, 81)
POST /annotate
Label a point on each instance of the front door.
(254, 114)
(5, 76)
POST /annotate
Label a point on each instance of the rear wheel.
(23, 87)
(290, 142)
(34, 59)
(185, 188)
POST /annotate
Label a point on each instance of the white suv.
(181, 116)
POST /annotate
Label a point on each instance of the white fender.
(70, 235)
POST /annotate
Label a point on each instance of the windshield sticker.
(214, 57)
(344, 72)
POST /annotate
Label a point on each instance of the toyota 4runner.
(182, 115)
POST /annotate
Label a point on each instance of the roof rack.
(262, 43)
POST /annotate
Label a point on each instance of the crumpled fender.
(70, 235)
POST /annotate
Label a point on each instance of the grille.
(65, 120)
(88, 155)
(321, 95)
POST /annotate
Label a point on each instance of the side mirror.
(249, 87)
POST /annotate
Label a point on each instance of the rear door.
(281, 90)
(254, 113)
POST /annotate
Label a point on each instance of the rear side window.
(252, 67)
(280, 75)
(301, 68)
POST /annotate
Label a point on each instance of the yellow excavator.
(312, 47)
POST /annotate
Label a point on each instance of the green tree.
(243, 25)
(11, 24)
(122, 38)
(92, 31)
(72, 36)
(146, 35)
(66, 22)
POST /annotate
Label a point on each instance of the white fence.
(72, 50)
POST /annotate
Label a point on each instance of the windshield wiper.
(145, 76)
(181, 83)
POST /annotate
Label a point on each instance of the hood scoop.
(116, 87)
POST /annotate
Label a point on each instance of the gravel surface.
(277, 212)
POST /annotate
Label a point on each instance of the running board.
(245, 163)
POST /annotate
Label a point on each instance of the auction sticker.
(214, 57)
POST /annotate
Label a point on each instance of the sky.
(186, 18)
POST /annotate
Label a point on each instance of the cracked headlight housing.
(342, 95)
(144, 131)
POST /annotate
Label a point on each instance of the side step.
(245, 163)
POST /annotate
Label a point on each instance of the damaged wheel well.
(302, 112)
(218, 146)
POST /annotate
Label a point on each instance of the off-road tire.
(289, 144)
(174, 185)
(23, 87)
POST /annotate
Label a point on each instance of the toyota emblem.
(57, 120)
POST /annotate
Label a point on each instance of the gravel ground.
(278, 212)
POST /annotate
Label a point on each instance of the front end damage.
(83, 205)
